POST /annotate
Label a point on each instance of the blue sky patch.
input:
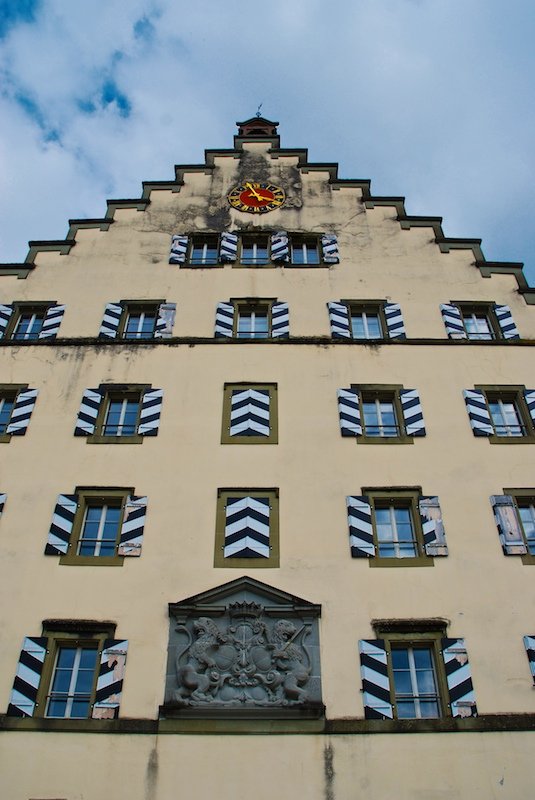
(13, 12)
(111, 94)
(144, 29)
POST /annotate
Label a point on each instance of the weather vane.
(258, 110)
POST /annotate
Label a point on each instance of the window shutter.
(131, 538)
(459, 678)
(249, 412)
(110, 321)
(508, 524)
(453, 321)
(375, 683)
(151, 408)
(247, 527)
(3, 498)
(412, 412)
(506, 322)
(179, 249)
(228, 247)
(224, 320)
(529, 644)
(478, 412)
(339, 319)
(359, 518)
(22, 411)
(329, 243)
(51, 322)
(110, 679)
(394, 321)
(165, 321)
(5, 316)
(529, 396)
(280, 247)
(280, 320)
(432, 527)
(88, 413)
(28, 676)
(349, 412)
(59, 535)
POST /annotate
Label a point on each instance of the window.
(305, 250)
(252, 318)
(203, 250)
(415, 682)
(30, 321)
(247, 528)
(122, 414)
(254, 250)
(380, 413)
(249, 413)
(140, 322)
(7, 404)
(481, 321)
(17, 402)
(514, 513)
(366, 320)
(137, 319)
(505, 414)
(253, 322)
(365, 324)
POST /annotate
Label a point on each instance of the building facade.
(306, 570)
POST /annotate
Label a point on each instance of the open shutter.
(59, 535)
(110, 322)
(165, 321)
(5, 316)
(88, 413)
(506, 322)
(179, 249)
(459, 678)
(131, 538)
(249, 412)
(110, 679)
(359, 519)
(394, 321)
(529, 396)
(224, 320)
(51, 322)
(280, 320)
(28, 676)
(478, 412)
(151, 408)
(432, 527)
(349, 412)
(529, 644)
(280, 247)
(508, 524)
(3, 498)
(412, 412)
(247, 527)
(329, 243)
(339, 319)
(453, 321)
(228, 247)
(375, 683)
(22, 411)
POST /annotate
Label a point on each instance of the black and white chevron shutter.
(329, 244)
(88, 413)
(3, 498)
(529, 396)
(412, 412)
(459, 678)
(247, 527)
(224, 320)
(59, 535)
(110, 322)
(280, 247)
(478, 412)
(453, 321)
(529, 644)
(359, 519)
(28, 676)
(375, 683)
(131, 539)
(508, 524)
(22, 411)
(165, 321)
(179, 249)
(280, 320)
(5, 316)
(394, 321)
(432, 527)
(249, 412)
(349, 412)
(228, 247)
(51, 322)
(339, 319)
(506, 322)
(151, 409)
(110, 679)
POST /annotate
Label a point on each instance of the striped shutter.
(28, 676)
(131, 538)
(432, 527)
(59, 535)
(5, 316)
(110, 679)
(375, 683)
(453, 321)
(179, 249)
(249, 412)
(412, 412)
(88, 413)
(349, 412)
(110, 322)
(529, 396)
(280, 247)
(506, 322)
(22, 411)
(339, 319)
(359, 519)
(224, 320)
(329, 243)
(3, 498)
(228, 247)
(51, 322)
(529, 644)
(394, 321)
(458, 676)
(165, 321)
(151, 408)
(280, 320)
(247, 527)
(478, 412)
(508, 524)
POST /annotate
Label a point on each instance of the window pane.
(121, 418)
(6, 407)
(415, 683)
(204, 251)
(72, 683)
(254, 251)
(29, 325)
(506, 418)
(365, 325)
(478, 326)
(140, 325)
(100, 531)
(527, 518)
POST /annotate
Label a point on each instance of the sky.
(430, 99)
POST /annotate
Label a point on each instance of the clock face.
(256, 198)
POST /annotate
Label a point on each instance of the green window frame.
(524, 500)
(231, 392)
(399, 526)
(511, 416)
(33, 314)
(8, 396)
(130, 394)
(254, 310)
(267, 555)
(85, 524)
(471, 313)
(144, 309)
(203, 250)
(367, 311)
(382, 393)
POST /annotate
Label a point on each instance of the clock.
(256, 198)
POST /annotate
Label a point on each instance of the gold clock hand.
(254, 192)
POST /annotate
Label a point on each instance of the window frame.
(294, 239)
(304, 239)
(376, 307)
(484, 308)
(112, 392)
(140, 306)
(19, 308)
(518, 496)
(515, 394)
(193, 242)
(382, 391)
(240, 263)
(10, 391)
(403, 497)
(252, 304)
(273, 561)
(88, 497)
(228, 389)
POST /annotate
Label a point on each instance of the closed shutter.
(508, 524)
(51, 322)
(28, 676)
(394, 321)
(110, 322)
(131, 538)
(280, 320)
(3, 498)
(179, 249)
(247, 527)
(329, 243)
(249, 412)
(280, 247)
(59, 535)
(478, 412)
(5, 316)
(349, 412)
(432, 527)
(110, 679)
(413, 416)
(529, 396)
(22, 411)
(228, 247)
(506, 322)
(529, 644)
(165, 321)
(359, 519)
(88, 413)
(459, 678)
(375, 683)
(339, 319)
(224, 320)
(453, 321)
(151, 409)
